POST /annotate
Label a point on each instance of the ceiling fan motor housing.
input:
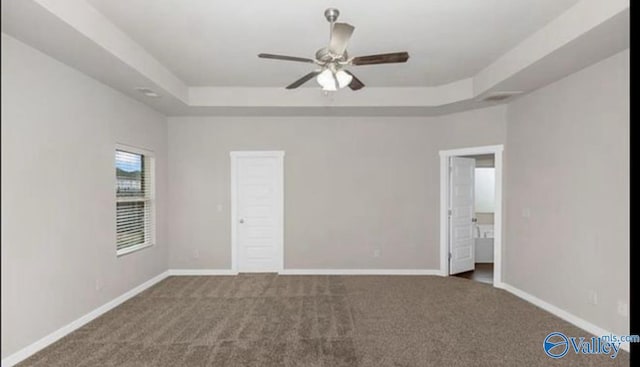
(323, 55)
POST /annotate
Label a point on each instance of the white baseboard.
(184, 272)
(29, 350)
(361, 272)
(565, 315)
(193, 272)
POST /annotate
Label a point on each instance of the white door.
(461, 199)
(257, 210)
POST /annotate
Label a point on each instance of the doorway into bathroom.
(471, 213)
(483, 218)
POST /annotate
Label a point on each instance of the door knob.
(241, 220)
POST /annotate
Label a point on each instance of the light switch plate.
(623, 309)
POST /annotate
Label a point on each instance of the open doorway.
(471, 213)
(483, 219)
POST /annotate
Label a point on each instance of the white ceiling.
(215, 43)
(201, 57)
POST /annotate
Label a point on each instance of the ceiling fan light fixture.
(327, 79)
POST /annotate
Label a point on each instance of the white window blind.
(134, 200)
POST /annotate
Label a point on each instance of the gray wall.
(485, 218)
(568, 164)
(484, 160)
(352, 186)
(59, 130)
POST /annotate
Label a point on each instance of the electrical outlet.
(98, 285)
(623, 309)
(593, 297)
(196, 254)
(376, 253)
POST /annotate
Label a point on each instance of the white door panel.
(258, 211)
(461, 241)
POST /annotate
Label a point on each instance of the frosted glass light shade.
(344, 78)
(327, 79)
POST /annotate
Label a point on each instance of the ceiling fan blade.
(303, 80)
(381, 58)
(355, 82)
(340, 35)
(286, 58)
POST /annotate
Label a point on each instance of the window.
(134, 200)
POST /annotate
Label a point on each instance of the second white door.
(257, 210)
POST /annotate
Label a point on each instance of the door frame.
(497, 151)
(279, 155)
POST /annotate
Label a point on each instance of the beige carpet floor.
(269, 320)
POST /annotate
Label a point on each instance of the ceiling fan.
(333, 59)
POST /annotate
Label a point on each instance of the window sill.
(131, 249)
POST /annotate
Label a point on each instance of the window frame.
(148, 159)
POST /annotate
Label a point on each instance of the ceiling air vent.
(500, 96)
(147, 92)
